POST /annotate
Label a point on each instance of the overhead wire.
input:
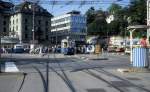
(79, 3)
(73, 2)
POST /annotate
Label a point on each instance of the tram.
(21, 48)
(68, 47)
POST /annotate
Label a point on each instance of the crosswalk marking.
(11, 67)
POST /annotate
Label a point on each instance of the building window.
(39, 28)
(46, 23)
(4, 29)
(26, 21)
(46, 37)
(46, 30)
(4, 22)
(16, 28)
(16, 20)
(26, 28)
(13, 28)
(10, 22)
(26, 36)
(13, 21)
(39, 21)
(5, 17)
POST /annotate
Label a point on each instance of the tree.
(118, 26)
(99, 25)
(90, 15)
(137, 12)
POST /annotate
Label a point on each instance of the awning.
(9, 40)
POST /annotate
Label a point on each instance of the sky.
(57, 10)
(62, 9)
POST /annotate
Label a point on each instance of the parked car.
(127, 50)
(120, 49)
(112, 49)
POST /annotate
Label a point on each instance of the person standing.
(143, 42)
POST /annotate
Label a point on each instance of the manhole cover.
(122, 84)
(96, 90)
(132, 78)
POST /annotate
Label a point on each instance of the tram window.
(65, 44)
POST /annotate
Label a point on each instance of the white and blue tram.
(68, 47)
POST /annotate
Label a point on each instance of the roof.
(5, 4)
(74, 12)
(28, 7)
(5, 7)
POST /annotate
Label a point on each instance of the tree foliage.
(135, 13)
(90, 15)
(98, 26)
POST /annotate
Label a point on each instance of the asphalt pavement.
(77, 73)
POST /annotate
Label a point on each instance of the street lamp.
(33, 28)
(33, 22)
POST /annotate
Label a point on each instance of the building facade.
(5, 12)
(21, 23)
(72, 25)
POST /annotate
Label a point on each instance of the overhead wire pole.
(33, 26)
(34, 3)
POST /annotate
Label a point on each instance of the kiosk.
(139, 54)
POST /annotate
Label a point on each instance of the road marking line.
(11, 67)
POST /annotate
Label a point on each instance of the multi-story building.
(5, 11)
(21, 23)
(72, 25)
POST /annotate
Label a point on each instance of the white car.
(127, 50)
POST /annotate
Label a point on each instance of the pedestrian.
(143, 42)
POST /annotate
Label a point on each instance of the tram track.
(102, 71)
(61, 73)
(22, 83)
(63, 76)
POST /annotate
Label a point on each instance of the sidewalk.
(139, 78)
(142, 79)
(10, 82)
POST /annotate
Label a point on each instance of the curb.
(98, 59)
(133, 70)
(12, 73)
